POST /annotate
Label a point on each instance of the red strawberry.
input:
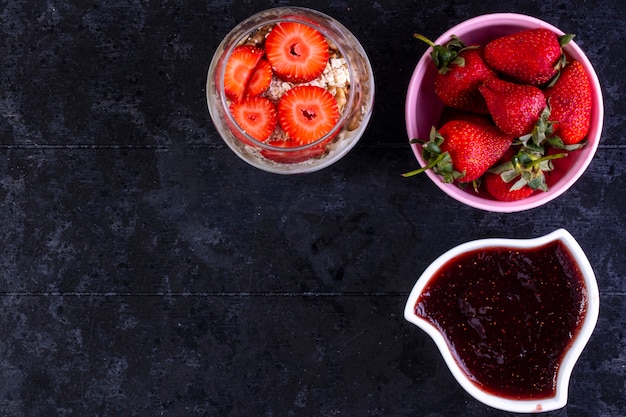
(450, 113)
(298, 53)
(570, 100)
(256, 116)
(473, 147)
(499, 180)
(460, 70)
(515, 108)
(463, 150)
(239, 68)
(531, 56)
(307, 113)
(519, 173)
(261, 79)
(500, 190)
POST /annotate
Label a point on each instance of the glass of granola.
(290, 90)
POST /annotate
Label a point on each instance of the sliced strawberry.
(307, 113)
(239, 68)
(261, 79)
(298, 53)
(256, 116)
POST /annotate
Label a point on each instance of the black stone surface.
(146, 271)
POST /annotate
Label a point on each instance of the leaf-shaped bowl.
(517, 365)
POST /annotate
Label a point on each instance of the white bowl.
(572, 352)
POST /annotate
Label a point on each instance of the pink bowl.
(423, 110)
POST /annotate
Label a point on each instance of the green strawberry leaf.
(439, 162)
(527, 168)
(444, 55)
(557, 142)
(565, 39)
(519, 184)
(542, 130)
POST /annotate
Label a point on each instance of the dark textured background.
(146, 271)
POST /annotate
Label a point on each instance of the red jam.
(508, 315)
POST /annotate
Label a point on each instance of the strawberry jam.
(508, 315)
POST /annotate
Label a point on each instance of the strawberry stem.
(444, 55)
(538, 161)
(565, 39)
(424, 39)
(430, 165)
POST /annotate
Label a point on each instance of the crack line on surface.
(198, 294)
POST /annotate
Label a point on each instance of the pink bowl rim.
(539, 198)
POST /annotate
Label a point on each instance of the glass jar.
(358, 95)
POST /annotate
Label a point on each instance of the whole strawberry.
(571, 103)
(504, 191)
(531, 56)
(502, 181)
(519, 173)
(514, 108)
(460, 70)
(449, 113)
(463, 150)
(473, 147)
